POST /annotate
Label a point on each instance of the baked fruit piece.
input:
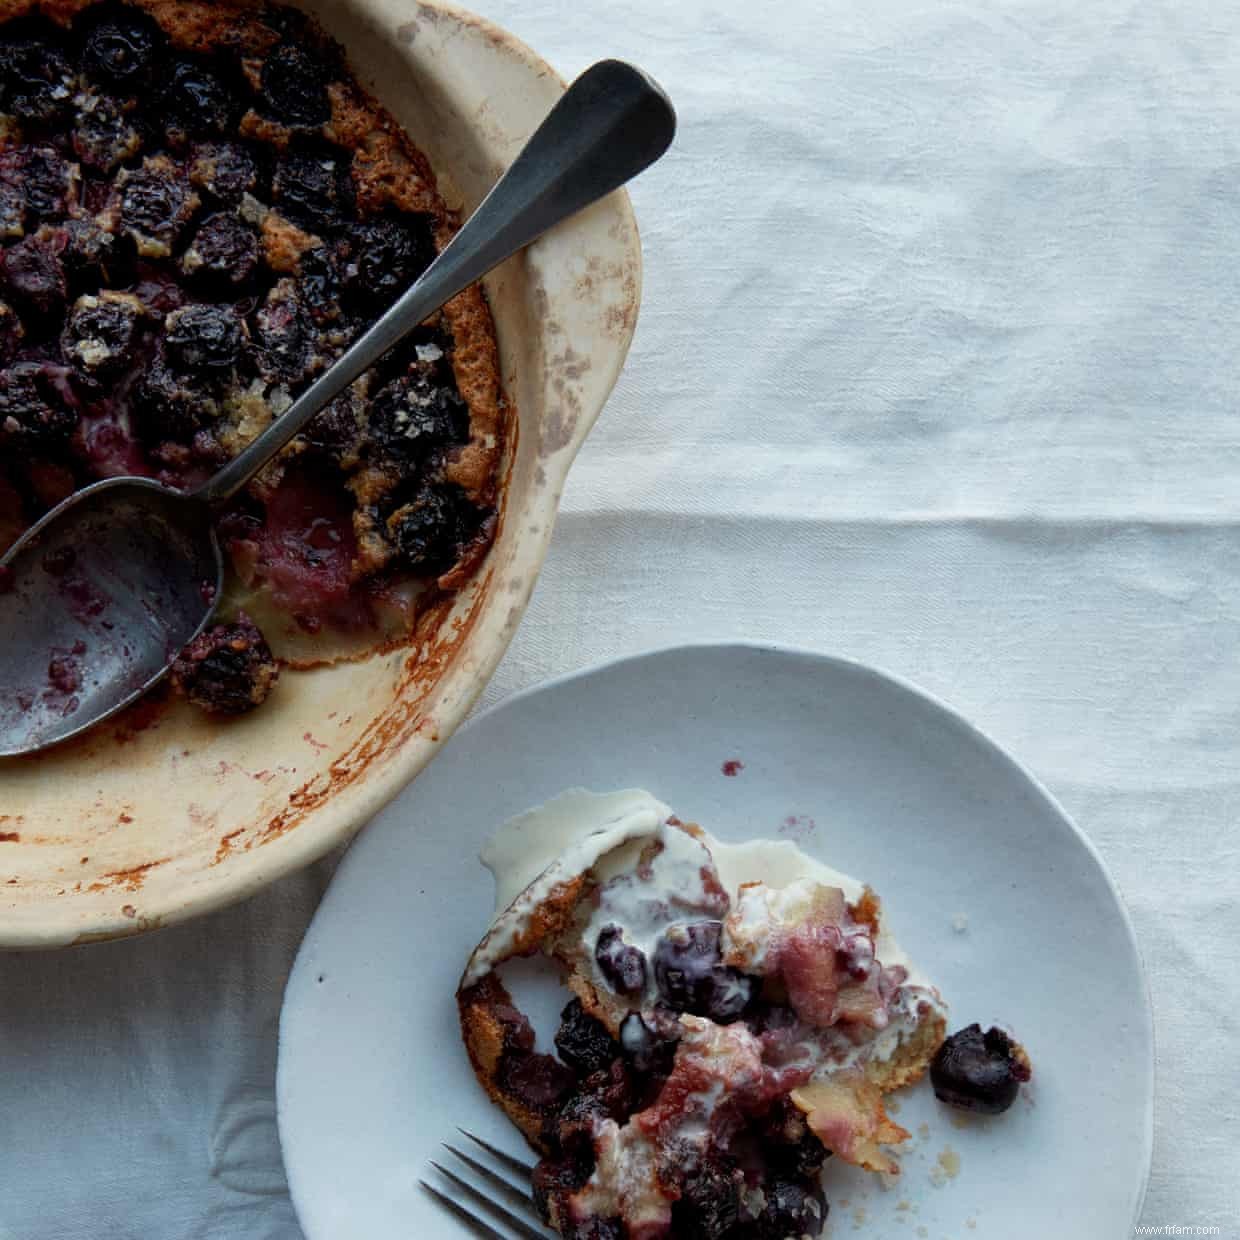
(200, 209)
(726, 1034)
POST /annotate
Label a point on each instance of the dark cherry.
(608, 1093)
(692, 978)
(227, 670)
(34, 411)
(309, 187)
(34, 273)
(647, 1049)
(284, 337)
(334, 432)
(226, 170)
(103, 135)
(224, 252)
(11, 333)
(788, 1142)
(92, 255)
(554, 1180)
(978, 1071)
(385, 257)
(36, 79)
(203, 339)
(48, 181)
(101, 333)
(539, 1082)
(294, 86)
(429, 532)
(411, 416)
(169, 406)
(623, 965)
(321, 283)
(792, 1208)
(157, 200)
(582, 1041)
(597, 1229)
(710, 1201)
(198, 100)
(121, 47)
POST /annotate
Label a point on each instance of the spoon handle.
(610, 124)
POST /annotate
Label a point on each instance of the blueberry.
(11, 333)
(623, 965)
(36, 79)
(582, 1041)
(198, 101)
(34, 274)
(203, 339)
(224, 252)
(121, 48)
(294, 86)
(385, 257)
(226, 170)
(103, 134)
(411, 416)
(792, 1208)
(284, 337)
(101, 333)
(156, 203)
(35, 413)
(430, 531)
(310, 188)
(978, 1071)
(227, 670)
(334, 433)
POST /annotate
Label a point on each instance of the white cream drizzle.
(580, 830)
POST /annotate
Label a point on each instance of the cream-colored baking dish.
(136, 827)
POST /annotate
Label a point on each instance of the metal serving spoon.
(99, 597)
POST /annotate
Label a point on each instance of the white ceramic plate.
(984, 879)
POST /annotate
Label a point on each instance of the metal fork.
(524, 1222)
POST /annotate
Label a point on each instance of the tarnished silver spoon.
(99, 597)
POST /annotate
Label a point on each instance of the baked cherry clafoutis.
(739, 1013)
(200, 208)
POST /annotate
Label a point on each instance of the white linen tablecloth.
(936, 368)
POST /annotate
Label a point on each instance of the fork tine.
(518, 1225)
(472, 1221)
(518, 1196)
(514, 1164)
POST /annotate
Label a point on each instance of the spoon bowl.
(96, 600)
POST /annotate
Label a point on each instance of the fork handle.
(611, 123)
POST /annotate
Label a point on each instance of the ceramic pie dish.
(165, 814)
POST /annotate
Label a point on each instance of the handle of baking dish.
(611, 123)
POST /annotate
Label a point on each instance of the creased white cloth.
(936, 368)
